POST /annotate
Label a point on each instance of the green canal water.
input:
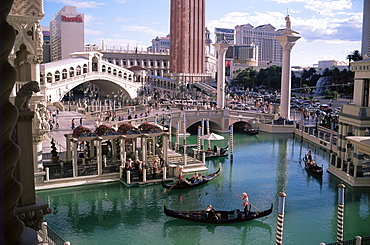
(263, 165)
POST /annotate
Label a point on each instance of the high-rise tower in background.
(365, 46)
(67, 33)
(187, 35)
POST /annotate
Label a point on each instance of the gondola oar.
(171, 188)
(258, 210)
(303, 158)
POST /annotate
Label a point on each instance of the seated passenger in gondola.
(200, 178)
(215, 148)
(194, 179)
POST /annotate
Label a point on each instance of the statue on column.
(288, 23)
(24, 95)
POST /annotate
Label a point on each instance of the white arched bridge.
(60, 77)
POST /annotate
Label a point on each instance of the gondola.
(217, 217)
(312, 167)
(184, 184)
(217, 152)
(249, 130)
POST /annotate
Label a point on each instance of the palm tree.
(355, 56)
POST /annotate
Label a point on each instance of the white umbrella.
(212, 136)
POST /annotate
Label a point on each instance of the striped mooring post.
(198, 142)
(340, 212)
(177, 137)
(231, 142)
(280, 221)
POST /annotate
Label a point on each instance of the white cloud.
(324, 7)
(93, 32)
(79, 4)
(122, 19)
(143, 29)
(120, 43)
(321, 27)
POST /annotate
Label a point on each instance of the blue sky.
(329, 29)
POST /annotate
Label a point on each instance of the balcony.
(355, 111)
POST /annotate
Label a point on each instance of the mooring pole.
(280, 222)
(340, 212)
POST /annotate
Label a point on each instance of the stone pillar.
(68, 155)
(122, 145)
(287, 41)
(221, 48)
(23, 132)
(74, 157)
(99, 155)
(37, 157)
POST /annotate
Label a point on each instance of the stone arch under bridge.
(107, 87)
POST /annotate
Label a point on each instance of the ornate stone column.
(221, 48)
(287, 41)
(11, 227)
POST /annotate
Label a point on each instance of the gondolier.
(246, 205)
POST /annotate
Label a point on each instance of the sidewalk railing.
(357, 241)
(48, 236)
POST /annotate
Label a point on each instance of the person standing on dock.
(155, 168)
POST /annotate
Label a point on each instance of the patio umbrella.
(212, 136)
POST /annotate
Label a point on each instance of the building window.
(57, 76)
(64, 74)
(49, 77)
(85, 69)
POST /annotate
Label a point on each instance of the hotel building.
(67, 33)
(270, 51)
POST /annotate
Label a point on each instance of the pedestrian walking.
(57, 124)
(81, 121)
(73, 124)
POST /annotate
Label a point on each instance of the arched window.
(85, 68)
(158, 63)
(151, 62)
(131, 62)
(78, 70)
(120, 73)
(49, 77)
(115, 72)
(145, 63)
(57, 76)
(117, 62)
(125, 75)
(64, 74)
(130, 77)
(109, 70)
(71, 72)
(103, 68)
(124, 62)
(95, 64)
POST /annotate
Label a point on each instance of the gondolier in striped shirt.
(245, 199)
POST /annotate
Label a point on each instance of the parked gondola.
(218, 217)
(217, 152)
(191, 183)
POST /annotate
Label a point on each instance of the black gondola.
(312, 167)
(217, 217)
(249, 130)
(217, 152)
(185, 184)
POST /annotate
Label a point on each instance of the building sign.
(224, 30)
(78, 18)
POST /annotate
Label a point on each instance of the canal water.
(263, 166)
